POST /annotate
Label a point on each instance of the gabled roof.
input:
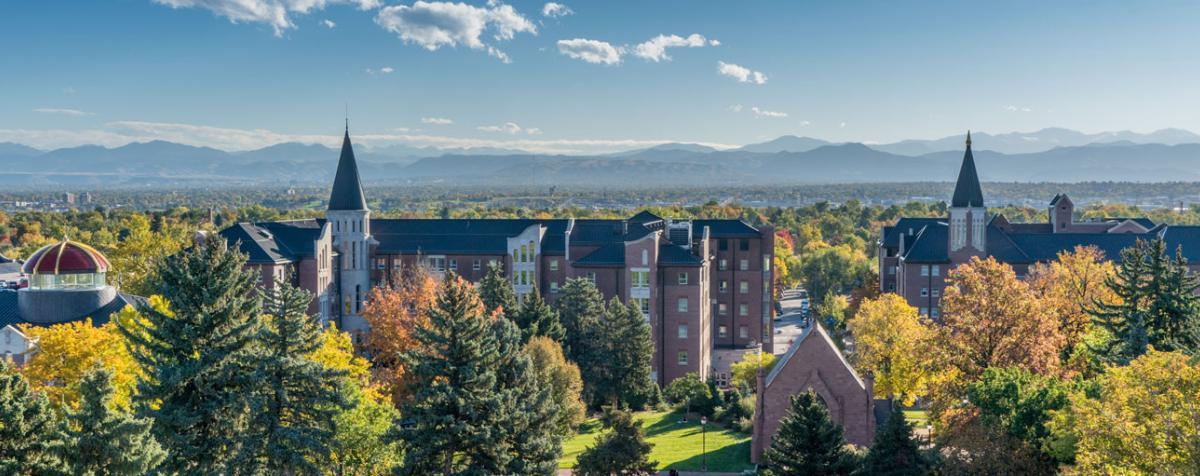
(607, 256)
(967, 192)
(674, 255)
(822, 338)
(929, 245)
(718, 228)
(644, 217)
(891, 234)
(347, 191)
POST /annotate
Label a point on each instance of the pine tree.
(29, 433)
(808, 442)
(530, 442)
(294, 409)
(580, 309)
(1174, 320)
(449, 423)
(623, 371)
(536, 318)
(194, 356)
(894, 451)
(623, 450)
(99, 440)
(496, 291)
(1124, 319)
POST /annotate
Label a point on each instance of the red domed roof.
(66, 257)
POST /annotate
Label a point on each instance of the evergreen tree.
(449, 425)
(1124, 319)
(536, 318)
(808, 442)
(496, 291)
(622, 371)
(894, 451)
(580, 308)
(623, 450)
(294, 409)
(195, 356)
(530, 442)
(28, 428)
(1174, 319)
(99, 440)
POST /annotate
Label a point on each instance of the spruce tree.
(449, 425)
(1174, 320)
(808, 442)
(623, 370)
(529, 442)
(623, 450)
(536, 318)
(99, 440)
(580, 309)
(29, 434)
(894, 451)
(194, 357)
(496, 291)
(293, 411)
(1124, 319)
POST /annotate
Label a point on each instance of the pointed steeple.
(347, 186)
(967, 192)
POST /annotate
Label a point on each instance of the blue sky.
(109, 72)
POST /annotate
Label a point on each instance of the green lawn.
(918, 418)
(676, 445)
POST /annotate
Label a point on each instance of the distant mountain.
(1037, 141)
(787, 143)
(12, 149)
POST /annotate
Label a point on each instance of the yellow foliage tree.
(562, 377)
(394, 312)
(1067, 288)
(890, 339)
(68, 351)
(744, 374)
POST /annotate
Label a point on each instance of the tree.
(529, 440)
(195, 358)
(293, 410)
(66, 354)
(625, 349)
(1143, 418)
(1021, 404)
(98, 440)
(581, 308)
(894, 451)
(688, 390)
(496, 291)
(833, 309)
(394, 312)
(29, 432)
(358, 445)
(1069, 288)
(622, 450)
(536, 318)
(745, 373)
(808, 442)
(832, 269)
(890, 340)
(563, 378)
(139, 251)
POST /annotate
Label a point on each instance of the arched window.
(357, 298)
(645, 257)
(523, 253)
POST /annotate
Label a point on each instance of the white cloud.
(842, 124)
(805, 123)
(62, 112)
(533, 131)
(438, 121)
(591, 51)
(116, 134)
(555, 10)
(765, 113)
(741, 73)
(1018, 109)
(432, 25)
(507, 127)
(328, 23)
(383, 70)
(386, 70)
(736, 108)
(714, 43)
(655, 49)
(276, 13)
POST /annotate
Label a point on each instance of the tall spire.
(347, 191)
(967, 192)
(968, 134)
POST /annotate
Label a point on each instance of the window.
(723, 245)
(891, 286)
(935, 292)
(743, 332)
(682, 304)
(743, 287)
(357, 298)
(891, 270)
(453, 264)
(934, 312)
(476, 264)
(924, 292)
(723, 264)
(683, 278)
(524, 253)
(722, 309)
(641, 279)
(924, 270)
(766, 263)
(644, 305)
(682, 357)
(722, 331)
(554, 265)
(937, 270)
(645, 257)
(437, 263)
(744, 245)
(683, 331)
(724, 285)
(743, 310)
(744, 264)
(553, 286)
(591, 276)
(924, 311)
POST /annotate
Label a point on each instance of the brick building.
(704, 285)
(916, 253)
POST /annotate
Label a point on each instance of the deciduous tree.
(890, 343)
(67, 353)
(563, 378)
(394, 312)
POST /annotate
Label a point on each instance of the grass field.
(676, 445)
(918, 418)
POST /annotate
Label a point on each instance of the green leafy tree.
(563, 378)
(536, 318)
(29, 433)
(622, 450)
(894, 451)
(1019, 403)
(99, 440)
(496, 291)
(688, 390)
(808, 442)
(294, 410)
(625, 350)
(195, 357)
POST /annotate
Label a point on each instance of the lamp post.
(703, 444)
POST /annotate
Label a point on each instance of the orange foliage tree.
(393, 312)
(1068, 288)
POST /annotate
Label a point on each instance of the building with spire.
(916, 253)
(705, 286)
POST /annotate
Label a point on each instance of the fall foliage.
(889, 338)
(67, 353)
(394, 312)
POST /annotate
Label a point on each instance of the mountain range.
(1059, 155)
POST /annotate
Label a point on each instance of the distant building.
(67, 283)
(704, 285)
(69, 198)
(916, 253)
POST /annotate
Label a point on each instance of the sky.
(587, 76)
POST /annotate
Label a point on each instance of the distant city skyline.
(587, 77)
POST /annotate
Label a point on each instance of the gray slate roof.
(967, 192)
(347, 191)
(10, 313)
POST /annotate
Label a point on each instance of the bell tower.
(350, 220)
(968, 225)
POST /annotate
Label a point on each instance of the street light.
(703, 444)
